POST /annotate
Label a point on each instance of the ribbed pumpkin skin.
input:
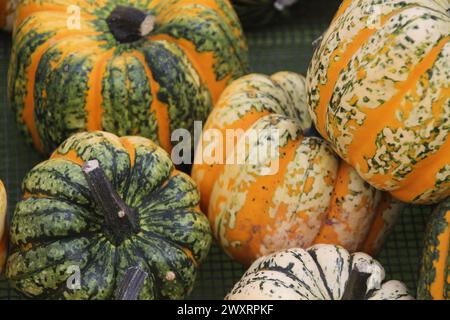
(63, 80)
(378, 91)
(57, 224)
(3, 228)
(312, 198)
(434, 281)
(321, 272)
(7, 8)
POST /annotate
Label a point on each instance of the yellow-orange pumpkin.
(311, 196)
(379, 92)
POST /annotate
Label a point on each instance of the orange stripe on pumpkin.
(160, 109)
(206, 175)
(94, 99)
(28, 111)
(336, 67)
(250, 232)
(374, 123)
(71, 156)
(131, 150)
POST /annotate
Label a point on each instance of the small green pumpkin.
(107, 206)
(434, 281)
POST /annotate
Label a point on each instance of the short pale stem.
(128, 24)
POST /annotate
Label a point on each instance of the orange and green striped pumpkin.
(434, 281)
(379, 92)
(7, 9)
(127, 67)
(3, 228)
(313, 197)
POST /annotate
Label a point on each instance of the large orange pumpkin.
(128, 67)
(311, 196)
(379, 92)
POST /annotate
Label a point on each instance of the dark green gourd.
(105, 205)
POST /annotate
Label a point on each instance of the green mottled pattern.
(65, 70)
(433, 250)
(58, 224)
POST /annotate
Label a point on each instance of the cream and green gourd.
(322, 272)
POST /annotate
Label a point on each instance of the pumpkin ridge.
(28, 112)
(94, 97)
(335, 70)
(372, 124)
(160, 109)
(23, 275)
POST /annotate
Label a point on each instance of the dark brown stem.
(121, 220)
(356, 288)
(128, 24)
(131, 284)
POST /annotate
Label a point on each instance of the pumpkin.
(7, 9)
(112, 211)
(254, 13)
(434, 280)
(312, 197)
(378, 91)
(322, 272)
(143, 69)
(3, 229)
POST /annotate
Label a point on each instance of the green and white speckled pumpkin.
(105, 204)
(253, 13)
(145, 69)
(379, 92)
(434, 281)
(322, 272)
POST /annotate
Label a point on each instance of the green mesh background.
(286, 46)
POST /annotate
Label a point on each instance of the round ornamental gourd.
(7, 9)
(309, 197)
(254, 13)
(113, 209)
(3, 229)
(322, 272)
(434, 281)
(144, 69)
(378, 91)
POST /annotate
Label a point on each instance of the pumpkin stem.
(128, 24)
(131, 284)
(356, 288)
(121, 220)
(363, 278)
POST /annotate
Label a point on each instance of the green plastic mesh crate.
(286, 46)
